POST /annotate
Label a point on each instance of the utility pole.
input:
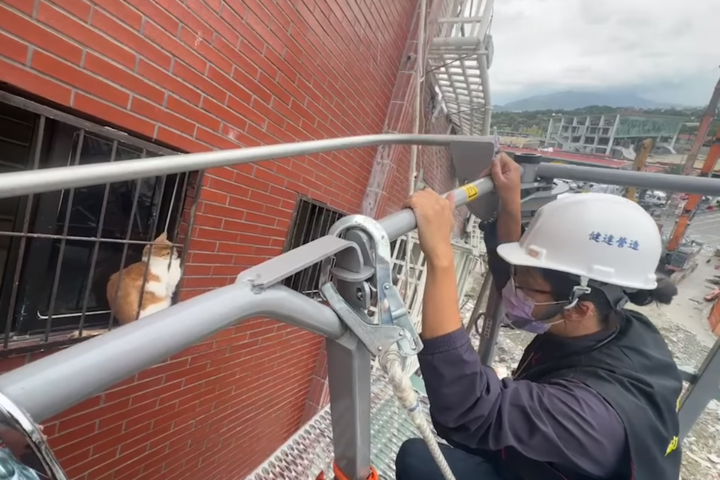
(703, 129)
(639, 163)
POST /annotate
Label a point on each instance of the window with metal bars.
(58, 249)
(311, 220)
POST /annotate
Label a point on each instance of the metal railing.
(50, 385)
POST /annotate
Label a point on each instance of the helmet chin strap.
(577, 292)
(615, 294)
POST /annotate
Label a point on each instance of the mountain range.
(570, 100)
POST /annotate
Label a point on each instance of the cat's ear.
(162, 238)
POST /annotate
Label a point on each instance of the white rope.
(391, 363)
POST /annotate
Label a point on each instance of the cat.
(163, 276)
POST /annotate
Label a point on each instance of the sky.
(664, 50)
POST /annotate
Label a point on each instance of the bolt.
(401, 334)
(386, 286)
(379, 349)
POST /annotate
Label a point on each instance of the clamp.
(368, 302)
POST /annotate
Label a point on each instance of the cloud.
(656, 48)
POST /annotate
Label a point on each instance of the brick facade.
(197, 75)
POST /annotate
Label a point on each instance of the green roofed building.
(611, 134)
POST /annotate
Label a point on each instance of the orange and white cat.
(163, 276)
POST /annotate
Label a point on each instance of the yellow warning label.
(470, 190)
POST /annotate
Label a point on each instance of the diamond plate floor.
(310, 451)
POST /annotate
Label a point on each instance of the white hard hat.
(597, 236)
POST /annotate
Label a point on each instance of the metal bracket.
(470, 158)
(353, 296)
(536, 192)
(279, 268)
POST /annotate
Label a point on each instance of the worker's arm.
(506, 177)
(561, 422)
(435, 221)
(508, 226)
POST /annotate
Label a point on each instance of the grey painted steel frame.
(701, 392)
(50, 385)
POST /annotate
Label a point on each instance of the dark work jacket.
(634, 372)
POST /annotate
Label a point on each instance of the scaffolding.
(364, 314)
(459, 58)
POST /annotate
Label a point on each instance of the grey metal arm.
(49, 179)
(658, 181)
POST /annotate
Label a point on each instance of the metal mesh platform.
(310, 450)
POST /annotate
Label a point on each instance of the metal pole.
(52, 384)
(349, 364)
(417, 111)
(659, 181)
(399, 223)
(48, 179)
(491, 327)
(476, 311)
(484, 65)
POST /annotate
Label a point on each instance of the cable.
(391, 363)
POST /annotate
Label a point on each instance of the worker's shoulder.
(639, 327)
(638, 320)
(645, 348)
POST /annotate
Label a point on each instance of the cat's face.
(161, 248)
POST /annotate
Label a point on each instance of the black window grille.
(58, 249)
(311, 221)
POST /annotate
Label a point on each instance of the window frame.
(52, 145)
(299, 235)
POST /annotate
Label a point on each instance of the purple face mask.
(518, 310)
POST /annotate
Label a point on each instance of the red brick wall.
(199, 75)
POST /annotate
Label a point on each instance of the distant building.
(614, 135)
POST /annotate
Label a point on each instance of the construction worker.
(595, 393)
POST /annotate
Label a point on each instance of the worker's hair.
(562, 284)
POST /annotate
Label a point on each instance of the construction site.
(264, 151)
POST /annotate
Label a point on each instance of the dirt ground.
(685, 328)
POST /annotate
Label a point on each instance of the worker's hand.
(435, 225)
(505, 174)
